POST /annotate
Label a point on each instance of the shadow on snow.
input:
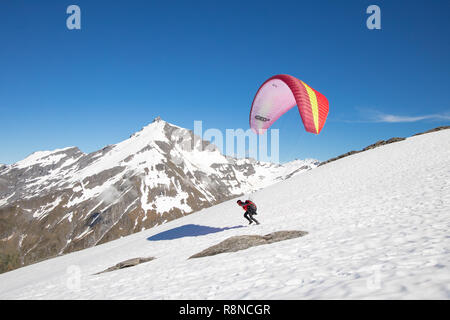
(188, 230)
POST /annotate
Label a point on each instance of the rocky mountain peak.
(55, 202)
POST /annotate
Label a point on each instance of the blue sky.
(204, 60)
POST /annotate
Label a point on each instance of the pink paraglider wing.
(279, 94)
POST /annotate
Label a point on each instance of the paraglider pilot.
(250, 210)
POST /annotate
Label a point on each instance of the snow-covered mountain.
(59, 201)
(377, 224)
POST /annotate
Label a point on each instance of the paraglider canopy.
(279, 94)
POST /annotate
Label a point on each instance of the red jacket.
(248, 205)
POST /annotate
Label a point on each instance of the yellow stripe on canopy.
(314, 106)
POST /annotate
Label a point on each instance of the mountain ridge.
(64, 200)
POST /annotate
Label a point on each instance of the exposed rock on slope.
(433, 130)
(127, 263)
(238, 243)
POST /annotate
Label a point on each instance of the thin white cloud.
(381, 117)
(374, 116)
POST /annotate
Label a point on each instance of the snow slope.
(378, 226)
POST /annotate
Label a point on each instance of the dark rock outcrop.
(433, 130)
(238, 243)
(126, 264)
